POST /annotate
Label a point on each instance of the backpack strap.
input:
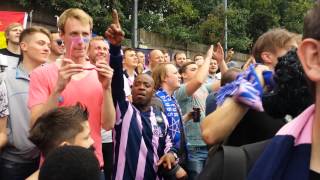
(234, 163)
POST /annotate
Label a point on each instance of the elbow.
(107, 126)
(209, 137)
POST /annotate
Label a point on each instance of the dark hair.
(291, 94)
(184, 66)
(176, 54)
(58, 125)
(70, 163)
(230, 76)
(311, 27)
(128, 49)
(194, 57)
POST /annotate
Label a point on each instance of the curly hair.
(291, 93)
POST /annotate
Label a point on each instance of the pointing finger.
(115, 18)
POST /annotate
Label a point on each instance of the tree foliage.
(193, 20)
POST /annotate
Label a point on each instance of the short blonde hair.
(10, 27)
(97, 38)
(75, 13)
(159, 73)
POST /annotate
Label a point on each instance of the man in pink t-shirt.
(73, 79)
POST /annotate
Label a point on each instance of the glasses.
(59, 42)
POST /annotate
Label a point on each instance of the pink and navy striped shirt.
(141, 138)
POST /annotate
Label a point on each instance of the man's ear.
(309, 54)
(23, 46)
(266, 57)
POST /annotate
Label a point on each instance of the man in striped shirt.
(142, 143)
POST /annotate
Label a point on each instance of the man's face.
(36, 47)
(166, 57)
(156, 57)
(180, 59)
(130, 59)
(99, 50)
(190, 72)
(57, 46)
(213, 66)
(76, 37)
(14, 34)
(141, 57)
(142, 90)
(83, 138)
(173, 78)
(199, 60)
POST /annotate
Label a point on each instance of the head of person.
(273, 44)
(213, 68)
(309, 49)
(166, 56)
(188, 70)
(98, 49)
(70, 163)
(142, 90)
(75, 30)
(35, 44)
(198, 59)
(130, 59)
(141, 57)
(229, 76)
(12, 33)
(62, 126)
(56, 45)
(155, 58)
(290, 83)
(180, 58)
(166, 76)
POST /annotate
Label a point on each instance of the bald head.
(155, 57)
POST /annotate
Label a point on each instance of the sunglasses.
(59, 42)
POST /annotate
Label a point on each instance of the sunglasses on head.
(59, 42)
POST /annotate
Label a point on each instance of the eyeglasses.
(59, 42)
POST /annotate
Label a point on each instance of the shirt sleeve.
(38, 89)
(181, 93)
(4, 109)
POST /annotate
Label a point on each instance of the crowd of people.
(74, 106)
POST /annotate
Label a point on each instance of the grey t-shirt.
(187, 103)
(19, 148)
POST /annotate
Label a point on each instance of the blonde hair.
(159, 73)
(77, 14)
(97, 38)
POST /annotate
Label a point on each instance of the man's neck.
(167, 89)
(81, 60)
(14, 48)
(130, 71)
(29, 64)
(212, 74)
(53, 57)
(315, 147)
(142, 108)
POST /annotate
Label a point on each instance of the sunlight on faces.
(173, 77)
(141, 57)
(99, 50)
(181, 59)
(142, 89)
(156, 57)
(14, 34)
(213, 68)
(199, 60)
(130, 59)
(76, 37)
(55, 47)
(166, 57)
(36, 47)
(83, 138)
(190, 72)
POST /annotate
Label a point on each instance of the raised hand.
(105, 73)
(218, 54)
(114, 33)
(209, 54)
(67, 70)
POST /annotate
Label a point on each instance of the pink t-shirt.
(88, 91)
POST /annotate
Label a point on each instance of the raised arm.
(201, 75)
